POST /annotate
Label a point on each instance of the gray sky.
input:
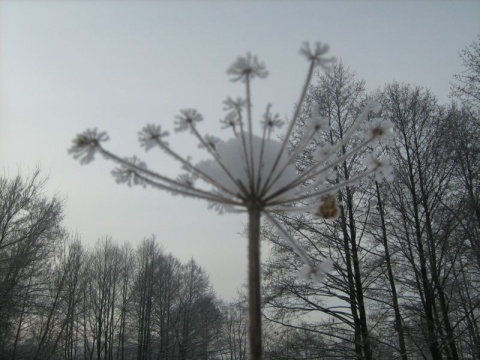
(119, 65)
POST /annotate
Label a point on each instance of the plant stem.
(254, 304)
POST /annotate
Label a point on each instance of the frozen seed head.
(315, 55)
(271, 121)
(231, 120)
(187, 120)
(186, 179)
(85, 145)
(234, 104)
(210, 141)
(381, 168)
(249, 171)
(379, 128)
(151, 136)
(247, 67)
(318, 124)
(125, 174)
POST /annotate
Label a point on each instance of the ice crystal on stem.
(252, 173)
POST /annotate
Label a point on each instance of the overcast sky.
(66, 66)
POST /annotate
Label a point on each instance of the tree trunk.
(366, 344)
(396, 307)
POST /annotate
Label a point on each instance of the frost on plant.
(252, 171)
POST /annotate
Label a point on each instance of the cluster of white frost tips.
(251, 170)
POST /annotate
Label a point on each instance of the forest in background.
(406, 253)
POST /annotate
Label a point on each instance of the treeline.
(60, 300)
(406, 276)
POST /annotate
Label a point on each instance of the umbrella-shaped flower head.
(254, 173)
(251, 171)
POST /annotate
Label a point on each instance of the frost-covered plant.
(251, 173)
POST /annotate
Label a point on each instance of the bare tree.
(235, 329)
(29, 231)
(340, 98)
(463, 204)
(197, 317)
(58, 332)
(102, 294)
(467, 87)
(403, 250)
(148, 253)
(127, 269)
(423, 177)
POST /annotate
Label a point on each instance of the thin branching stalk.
(250, 132)
(269, 181)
